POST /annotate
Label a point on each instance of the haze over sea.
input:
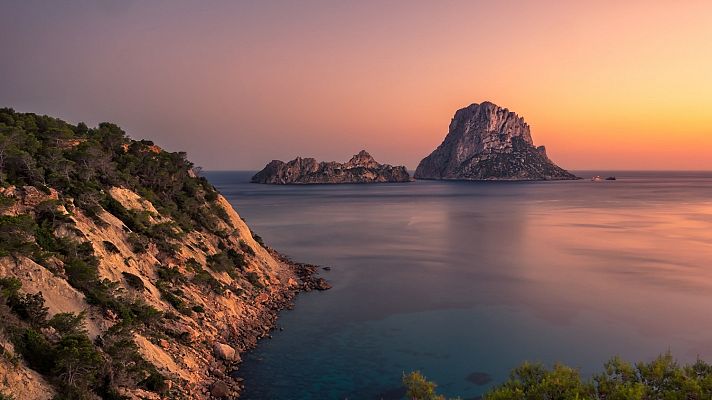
(456, 278)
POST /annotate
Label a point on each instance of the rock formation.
(488, 142)
(139, 271)
(362, 168)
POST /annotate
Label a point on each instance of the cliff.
(122, 273)
(362, 168)
(488, 142)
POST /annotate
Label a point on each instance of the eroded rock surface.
(362, 168)
(488, 142)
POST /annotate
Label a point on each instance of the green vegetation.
(419, 388)
(246, 248)
(61, 349)
(254, 279)
(258, 239)
(660, 379)
(82, 164)
(134, 281)
(17, 235)
(169, 281)
(229, 261)
(204, 278)
(110, 247)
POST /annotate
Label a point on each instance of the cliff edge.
(123, 274)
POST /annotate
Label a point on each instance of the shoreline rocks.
(262, 323)
(488, 142)
(362, 168)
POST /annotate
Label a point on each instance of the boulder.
(224, 352)
(220, 390)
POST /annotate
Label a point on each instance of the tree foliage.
(660, 379)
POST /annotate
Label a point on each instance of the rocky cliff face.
(488, 142)
(122, 274)
(362, 168)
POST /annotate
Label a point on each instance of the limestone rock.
(224, 351)
(488, 142)
(362, 168)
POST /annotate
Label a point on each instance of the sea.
(464, 281)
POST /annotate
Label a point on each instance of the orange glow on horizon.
(604, 85)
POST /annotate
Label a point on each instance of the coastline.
(259, 324)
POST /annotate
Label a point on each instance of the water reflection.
(455, 278)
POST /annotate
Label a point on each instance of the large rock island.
(488, 142)
(362, 168)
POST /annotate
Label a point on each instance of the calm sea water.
(462, 278)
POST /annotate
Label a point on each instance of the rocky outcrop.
(17, 380)
(199, 350)
(132, 265)
(362, 168)
(488, 142)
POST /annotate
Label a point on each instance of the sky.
(603, 84)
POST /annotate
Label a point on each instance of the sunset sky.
(603, 84)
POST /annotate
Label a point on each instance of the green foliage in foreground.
(660, 379)
(60, 349)
(418, 387)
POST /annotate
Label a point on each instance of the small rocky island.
(362, 168)
(488, 142)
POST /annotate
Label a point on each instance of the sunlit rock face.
(488, 142)
(362, 168)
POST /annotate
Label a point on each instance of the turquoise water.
(462, 279)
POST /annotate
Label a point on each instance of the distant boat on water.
(599, 178)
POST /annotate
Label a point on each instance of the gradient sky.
(603, 84)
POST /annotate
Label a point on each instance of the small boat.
(596, 179)
(611, 178)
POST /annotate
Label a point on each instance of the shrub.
(36, 350)
(204, 278)
(419, 388)
(246, 248)
(5, 396)
(221, 213)
(133, 281)
(254, 279)
(17, 235)
(193, 265)
(9, 286)
(68, 323)
(30, 307)
(138, 242)
(258, 239)
(110, 247)
(76, 360)
(170, 274)
(155, 382)
(173, 299)
(220, 262)
(6, 202)
(662, 378)
(237, 258)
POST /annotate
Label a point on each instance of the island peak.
(489, 142)
(361, 168)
